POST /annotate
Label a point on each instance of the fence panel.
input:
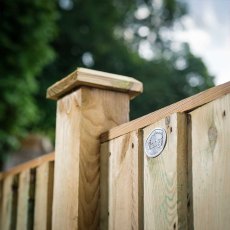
(210, 164)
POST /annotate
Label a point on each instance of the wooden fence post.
(89, 103)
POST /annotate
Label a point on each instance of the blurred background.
(175, 47)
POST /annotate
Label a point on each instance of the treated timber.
(121, 183)
(30, 220)
(189, 170)
(43, 196)
(185, 105)
(95, 79)
(23, 200)
(28, 165)
(9, 203)
(6, 205)
(81, 117)
(89, 103)
(210, 157)
(104, 186)
(165, 181)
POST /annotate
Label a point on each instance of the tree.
(170, 81)
(26, 29)
(171, 72)
(108, 36)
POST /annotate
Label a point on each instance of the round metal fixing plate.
(155, 142)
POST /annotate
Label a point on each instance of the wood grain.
(44, 196)
(104, 186)
(23, 200)
(185, 105)
(210, 149)
(81, 117)
(122, 205)
(9, 203)
(165, 185)
(31, 203)
(189, 170)
(95, 79)
(29, 164)
(6, 203)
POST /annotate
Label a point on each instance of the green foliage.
(26, 29)
(166, 83)
(92, 34)
(173, 72)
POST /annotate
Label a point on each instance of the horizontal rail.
(29, 164)
(184, 105)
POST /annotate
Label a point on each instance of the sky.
(208, 33)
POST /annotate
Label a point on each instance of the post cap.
(97, 79)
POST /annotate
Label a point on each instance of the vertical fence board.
(104, 185)
(124, 183)
(165, 185)
(43, 196)
(189, 189)
(23, 199)
(210, 149)
(30, 222)
(9, 202)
